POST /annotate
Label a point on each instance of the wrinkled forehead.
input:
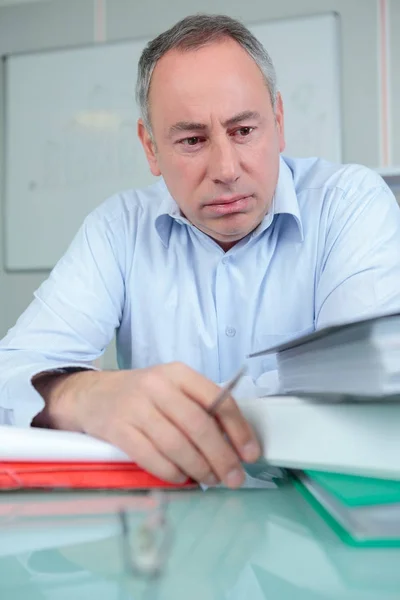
(219, 79)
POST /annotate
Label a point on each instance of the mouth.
(225, 200)
(228, 204)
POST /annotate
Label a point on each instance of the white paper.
(26, 444)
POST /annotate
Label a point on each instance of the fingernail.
(181, 478)
(234, 478)
(210, 480)
(251, 451)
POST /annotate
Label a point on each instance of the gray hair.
(192, 33)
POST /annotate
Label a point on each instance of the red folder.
(80, 475)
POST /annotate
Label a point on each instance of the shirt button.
(225, 260)
(230, 331)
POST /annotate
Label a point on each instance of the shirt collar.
(167, 213)
(284, 202)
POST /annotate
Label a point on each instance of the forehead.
(220, 76)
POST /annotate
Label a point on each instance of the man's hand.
(158, 416)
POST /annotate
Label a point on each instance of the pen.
(226, 390)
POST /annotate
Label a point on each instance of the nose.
(223, 162)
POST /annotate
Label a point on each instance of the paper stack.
(50, 459)
(345, 421)
(361, 359)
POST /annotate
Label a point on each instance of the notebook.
(52, 459)
(363, 511)
(16, 475)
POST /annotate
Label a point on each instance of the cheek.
(262, 167)
(271, 152)
(260, 161)
(181, 176)
(186, 172)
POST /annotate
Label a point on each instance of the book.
(360, 359)
(294, 432)
(340, 437)
(80, 475)
(53, 459)
(363, 511)
(356, 492)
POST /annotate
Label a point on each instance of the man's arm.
(71, 320)
(359, 275)
(359, 272)
(158, 416)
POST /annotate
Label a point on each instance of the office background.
(370, 75)
(71, 127)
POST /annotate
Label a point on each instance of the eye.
(190, 141)
(244, 131)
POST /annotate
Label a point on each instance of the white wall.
(39, 24)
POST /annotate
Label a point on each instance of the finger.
(174, 445)
(193, 384)
(204, 392)
(239, 431)
(203, 430)
(143, 452)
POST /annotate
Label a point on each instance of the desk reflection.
(252, 544)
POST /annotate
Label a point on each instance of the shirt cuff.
(21, 402)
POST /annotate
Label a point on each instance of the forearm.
(64, 395)
(18, 398)
(158, 416)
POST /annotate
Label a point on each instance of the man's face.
(216, 138)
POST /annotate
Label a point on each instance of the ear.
(279, 117)
(149, 148)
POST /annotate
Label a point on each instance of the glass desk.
(249, 544)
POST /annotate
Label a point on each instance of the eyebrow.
(183, 126)
(246, 115)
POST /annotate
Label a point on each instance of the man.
(236, 248)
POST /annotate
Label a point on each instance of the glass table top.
(247, 544)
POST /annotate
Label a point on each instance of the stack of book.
(359, 359)
(363, 511)
(339, 417)
(66, 460)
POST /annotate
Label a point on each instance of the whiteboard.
(71, 128)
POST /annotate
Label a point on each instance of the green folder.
(363, 511)
(353, 490)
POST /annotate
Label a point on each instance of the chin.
(230, 229)
(230, 237)
(239, 232)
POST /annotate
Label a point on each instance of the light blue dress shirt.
(327, 251)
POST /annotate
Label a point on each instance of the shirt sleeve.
(359, 272)
(359, 275)
(69, 323)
